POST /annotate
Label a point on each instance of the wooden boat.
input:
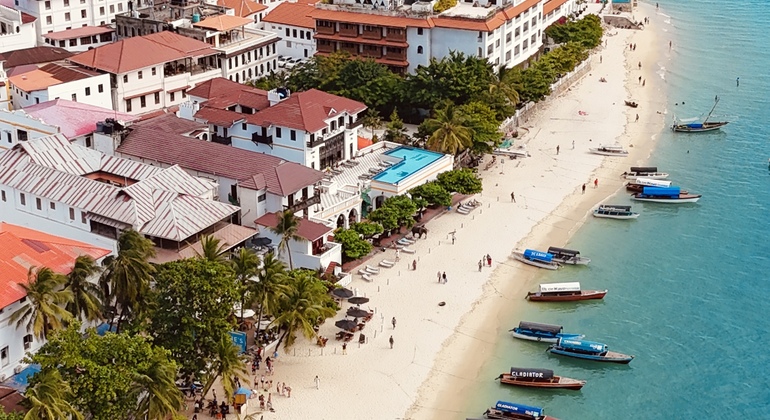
(536, 258)
(567, 256)
(547, 333)
(632, 104)
(693, 126)
(647, 172)
(639, 183)
(612, 211)
(539, 378)
(564, 292)
(509, 410)
(615, 150)
(588, 350)
(669, 195)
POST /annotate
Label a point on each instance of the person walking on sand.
(573, 144)
(489, 260)
(513, 197)
(600, 59)
(640, 79)
(637, 118)
(391, 342)
(557, 150)
(344, 348)
(640, 65)
(480, 264)
(414, 265)
(439, 277)
(398, 255)
(584, 188)
(317, 382)
(596, 183)
(443, 277)
(453, 238)
(393, 321)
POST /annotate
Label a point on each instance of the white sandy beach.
(438, 350)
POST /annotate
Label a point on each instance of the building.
(60, 80)
(22, 249)
(76, 120)
(85, 195)
(80, 39)
(20, 61)
(17, 30)
(294, 24)
(151, 72)
(246, 9)
(314, 251)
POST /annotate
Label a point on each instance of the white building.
(152, 72)
(21, 249)
(250, 9)
(315, 251)
(81, 39)
(60, 80)
(293, 23)
(17, 30)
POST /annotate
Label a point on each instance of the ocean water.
(689, 285)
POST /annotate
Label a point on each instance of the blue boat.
(589, 350)
(538, 259)
(546, 333)
(665, 195)
(509, 410)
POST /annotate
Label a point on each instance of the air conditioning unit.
(17, 370)
(3, 378)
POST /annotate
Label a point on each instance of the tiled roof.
(242, 8)
(552, 5)
(222, 23)
(371, 19)
(142, 51)
(220, 117)
(307, 229)
(22, 248)
(78, 32)
(293, 14)
(171, 124)
(34, 55)
(74, 119)
(251, 169)
(306, 110)
(224, 93)
(27, 18)
(49, 75)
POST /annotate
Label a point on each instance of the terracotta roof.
(552, 5)
(74, 119)
(224, 93)
(142, 51)
(27, 18)
(49, 75)
(371, 19)
(307, 229)
(495, 21)
(242, 8)
(22, 248)
(220, 117)
(34, 55)
(78, 32)
(293, 14)
(513, 11)
(151, 140)
(222, 22)
(307, 110)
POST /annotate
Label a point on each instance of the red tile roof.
(220, 117)
(22, 248)
(27, 18)
(552, 5)
(78, 32)
(222, 23)
(34, 55)
(242, 8)
(305, 110)
(371, 19)
(293, 14)
(306, 229)
(74, 118)
(224, 93)
(49, 75)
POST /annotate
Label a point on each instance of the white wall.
(301, 252)
(52, 14)
(13, 40)
(85, 91)
(254, 63)
(296, 42)
(130, 84)
(12, 121)
(79, 47)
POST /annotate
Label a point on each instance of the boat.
(547, 333)
(612, 211)
(539, 378)
(665, 195)
(537, 258)
(589, 350)
(509, 410)
(694, 126)
(567, 256)
(639, 183)
(564, 292)
(616, 150)
(632, 104)
(647, 172)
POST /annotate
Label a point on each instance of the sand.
(438, 349)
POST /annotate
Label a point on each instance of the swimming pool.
(412, 161)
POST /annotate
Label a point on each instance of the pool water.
(412, 161)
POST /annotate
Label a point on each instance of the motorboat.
(537, 258)
(694, 125)
(649, 172)
(638, 184)
(612, 211)
(588, 350)
(567, 256)
(547, 333)
(539, 378)
(509, 410)
(665, 195)
(615, 150)
(564, 292)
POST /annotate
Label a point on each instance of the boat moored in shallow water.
(612, 211)
(669, 195)
(614, 150)
(694, 126)
(509, 410)
(547, 333)
(539, 378)
(588, 350)
(564, 292)
(538, 259)
(649, 172)
(568, 256)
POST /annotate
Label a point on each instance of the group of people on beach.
(485, 260)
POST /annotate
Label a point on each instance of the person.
(637, 117)
(288, 392)
(640, 79)
(557, 149)
(513, 196)
(573, 144)
(344, 348)
(480, 264)
(489, 260)
(195, 417)
(391, 342)
(640, 65)
(584, 188)
(317, 382)
(414, 265)
(644, 82)
(738, 81)
(398, 255)
(669, 45)
(439, 276)
(453, 238)
(393, 321)
(596, 183)
(600, 59)
(443, 277)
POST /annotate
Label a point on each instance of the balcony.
(326, 30)
(323, 139)
(350, 49)
(395, 56)
(357, 123)
(351, 31)
(325, 248)
(369, 53)
(373, 34)
(234, 201)
(303, 204)
(325, 48)
(262, 139)
(396, 36)
(216, 138)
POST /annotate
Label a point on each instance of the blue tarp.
(244, 391)
(695, 125)
(662, 191)
(20, 381)
(583, 345)
(103, 328)
(537, 255)
(509, 407)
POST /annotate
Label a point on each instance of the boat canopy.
(652, 182)
(532, 373)
(582, 345)
(531, 254)
(563, 251)
(614, 207)
(509, 407)
(694, 125)
(534, 326)
(560, 287)
(662, 191)
(644, 169)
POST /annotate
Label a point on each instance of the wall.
(11, 121)
(66, 91)
(252, 64)
(416, 40)
(97, 13)
(300, 46)
(24, 38)
(149, 82)
(78, 47)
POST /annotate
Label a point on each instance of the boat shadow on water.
(569, 363)
(663, 208)
(568, 307)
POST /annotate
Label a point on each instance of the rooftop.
(34, 55)
(78, 32)
(292, 14)
(74, 119)
(224, 93)
(242, 8)
(222, 23)
(50, 75)
(307, 229)
(551, 5)
(22, 248)
(411, 161)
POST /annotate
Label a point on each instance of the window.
(508, 37)
(172, 95)
(294, 33)
(67, 16)
(72, 213)
(2, 195)
(53, 205)
(22, 199)
(4, 359)
(101, 11)
(490, 49)
(47, 5)
(8, 137)
(21, 135)
(83, 217)
(154, 72)
(517, 33)
(524, 45)
(288, 32)
(419, 49)
(128, 105)
(534, 21)
(139, 73)
(526, 26)
(39, 204)
(89, 142)
(112, 9)
(419, 31)
(49, 20)
(125, 78)
(261, 198)
(100, 88)
(508, 56)
(516, 51)
(307, 35)
(120, 7)
(27, 341)
(73, 42)
(143, 101)
(533, 39)
(244, 126)
(74, 97)
(88, 91)
(497, 44)
(278, 132)
(288, 44)
(293, 135)
(302, 34)
(157, 98)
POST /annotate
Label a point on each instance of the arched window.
(419, 49)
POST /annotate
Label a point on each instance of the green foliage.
(86, 300)
(586, 31)
(44, 309)
(456, 78)
(480, 118)
(49, 397)
(451, 131)
(108, 374)
(463, 181)
(367, 229)
(395, 130)
(245, 267)
(192, 304)
(10, 416)
(353, 247)
(287, 227)
(305, 304)
(404, 209)
(433, 193)
(212, 249)
(372, 120)
(271, 284)
(444, 5)
(271, 81)
(227, 364)
(387, 217)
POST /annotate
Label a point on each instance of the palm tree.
(302, 306)
(271, 285)
(44, 310)
(156, 392)
(86, 296)
(211, 249)
(503, 82)
(246, 267)
(228, 364)
(451, 134)
(48, 398)
(288, 224)
(126, 278)
(372, 120)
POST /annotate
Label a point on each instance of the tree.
(191, 308)
(212, 249)
(395, 130)
(86, 301)
(367, 229)
(227, 364)
(156, 391)
(48, 398)
(451, 133)
(368, 82)
(404, 207)
(271, 81)
(387, 217)
(302, 306)
(288, 225)
(433, 193)
(246, 267)
(10, 416)
(271, 284)
(485, 125)
(463, 181)
(456, 78)
(372, 120)
(586, 31)
(353, 246)
(503, 84)
(44, 309)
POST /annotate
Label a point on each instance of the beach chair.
(387, 264)
(363, 272)
(408, 250)
(361, 339)
(371, 269)
(404, 241)
(367, 277)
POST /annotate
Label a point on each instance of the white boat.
(546, 333)
(615, 150)
(538, 259)
(610, 211)
(669, 195)
(644, 172)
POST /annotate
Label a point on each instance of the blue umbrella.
(244, 391)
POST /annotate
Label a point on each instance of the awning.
(128, 98)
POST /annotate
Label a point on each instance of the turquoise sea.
(689, 285)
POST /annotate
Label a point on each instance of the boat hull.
(684, 128)
(564, 297)
(557, 382)
(616, 216)
(609, 357)
(573, 261)
(656, 176)
(545, 339)
(683, 198)
(497, 414)
(539, 264)
(609, 153)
